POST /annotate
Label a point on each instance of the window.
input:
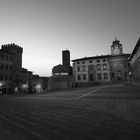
(91, 77)
(98, 60)
(2, 56)
(99, 75)
(78, 68)
(10, 67)
(6, 67)
(104, 60)
(10, 77)
(98, 67)
(112, 75)
(105, 76)
(90, 61)
(104, 66)
(2, 66)
(10, 58)
(79, 77)
(83, 62)
(78, 62)
(91, 68)
(1, 77)
(125, 74)
(7, 58)
(6, 77)
(83, 68)
(84, 77)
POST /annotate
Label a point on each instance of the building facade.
(119, 63)
(135, 61)
(6, 71)
(103, 68)
(119, 67)
(66, 58)
(16, 60)
(92, 69)
(14, 78)
(65, 68)
(10, 66)
(61, 74)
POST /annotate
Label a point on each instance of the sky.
(85, 27)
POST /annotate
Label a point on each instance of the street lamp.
(38, 87)
(0, 87)
(1, 84)
(25, 87)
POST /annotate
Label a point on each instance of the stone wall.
(60, 82)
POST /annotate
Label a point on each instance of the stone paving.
(95, 113)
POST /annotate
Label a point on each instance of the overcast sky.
(86, 27)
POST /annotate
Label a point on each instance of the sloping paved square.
(95, 113)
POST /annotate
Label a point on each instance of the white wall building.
(91, 69)
(102, 68)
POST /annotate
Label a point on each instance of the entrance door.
(91, 77)
(119, 75)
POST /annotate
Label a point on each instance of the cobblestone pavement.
(94, 113)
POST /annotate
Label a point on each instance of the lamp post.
(25, 88)
(130, 76)
(38, 87)
(1, 84)
(0, 87)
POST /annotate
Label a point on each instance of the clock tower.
(116, 48)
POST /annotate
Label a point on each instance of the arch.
(119, 75)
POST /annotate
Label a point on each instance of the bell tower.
(66, 58)
(116, 47)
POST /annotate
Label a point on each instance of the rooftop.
(99, 57)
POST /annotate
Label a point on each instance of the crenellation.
(13, 48)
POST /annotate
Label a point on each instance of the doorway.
(119, 75)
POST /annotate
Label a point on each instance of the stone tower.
(66, 58)
(116, 48)
(16, 51)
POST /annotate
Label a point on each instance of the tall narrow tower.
(66, 58)
(17, 60)
(116, 48)
(17, 51)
